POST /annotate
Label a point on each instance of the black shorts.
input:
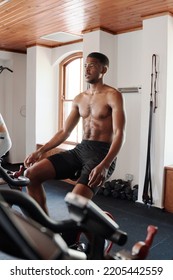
(76, 164)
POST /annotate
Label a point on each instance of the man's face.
(93, 70)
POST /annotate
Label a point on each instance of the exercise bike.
(16, 180)
(70, 229)
(36, 236)
(28, 234)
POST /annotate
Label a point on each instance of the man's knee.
(30, 173)
(41, 171)
(27, 173)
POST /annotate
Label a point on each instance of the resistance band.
(147, 190)
(2, 68)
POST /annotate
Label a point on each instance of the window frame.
(62, 88)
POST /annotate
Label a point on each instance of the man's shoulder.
(78, 96)
(114, 96)
(112, 91)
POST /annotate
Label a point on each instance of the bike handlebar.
(24, 238)
(13, 180)
(86, 216)
(32, 210)
(101, 223)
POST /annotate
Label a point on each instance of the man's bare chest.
(94, 106)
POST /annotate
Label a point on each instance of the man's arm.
(58, 138)
(118, 123)
(65, 132)
(98, 174)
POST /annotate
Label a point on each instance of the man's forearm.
(114, 150)
(59, 138)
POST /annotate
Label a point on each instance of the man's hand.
(97, 176)
(31, 159)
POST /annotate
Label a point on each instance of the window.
(71, 84)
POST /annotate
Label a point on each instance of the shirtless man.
(101, 109)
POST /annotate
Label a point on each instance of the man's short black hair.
(103, 59)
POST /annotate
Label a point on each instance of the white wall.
(41, 112)
(45, 97)
(13, 94)
(17, 152)
(168, 156)
(2, 89)
(156, 28)
(128, 74)
(129, 59)
(31, 100)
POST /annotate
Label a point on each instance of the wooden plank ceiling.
(23, 22)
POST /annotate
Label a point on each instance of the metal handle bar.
(10, 178)
(32, 210)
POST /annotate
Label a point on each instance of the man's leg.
(83, 190)
(39, 173)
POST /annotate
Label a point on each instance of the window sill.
(62, 147)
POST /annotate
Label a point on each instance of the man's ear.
(104, 70)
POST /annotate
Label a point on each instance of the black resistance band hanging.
(2, 68)
(147, 190)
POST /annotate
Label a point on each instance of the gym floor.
(131, 217)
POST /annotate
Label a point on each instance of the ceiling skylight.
(62, 37)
